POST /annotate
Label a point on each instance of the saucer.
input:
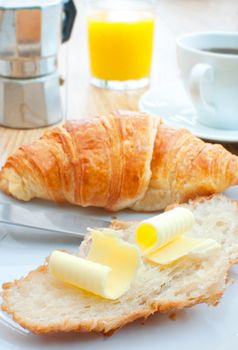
(173, 105)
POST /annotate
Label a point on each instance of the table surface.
(174, 17)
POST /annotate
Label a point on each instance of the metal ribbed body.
(30, 37)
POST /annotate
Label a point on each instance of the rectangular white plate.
(200, 327)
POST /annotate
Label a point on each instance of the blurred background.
(82, 100)
(173, 17)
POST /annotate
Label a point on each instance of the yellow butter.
(203, 250)
(164, 228)
(162, 241)
(79, 272)
(108, 270)
(180, 247)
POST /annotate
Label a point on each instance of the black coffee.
(226, 51)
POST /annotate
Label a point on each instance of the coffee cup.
(208, 63)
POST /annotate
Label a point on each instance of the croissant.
(115, 161)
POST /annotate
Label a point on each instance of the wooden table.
(174, 17)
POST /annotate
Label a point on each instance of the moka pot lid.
(19, 4)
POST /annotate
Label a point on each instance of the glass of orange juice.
(120, 42)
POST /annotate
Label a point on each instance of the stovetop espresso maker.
(31, 32)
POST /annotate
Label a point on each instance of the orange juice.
(120, 45)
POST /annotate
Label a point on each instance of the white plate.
(200, 327)
(173, 105)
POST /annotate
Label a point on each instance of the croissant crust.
(115, 161)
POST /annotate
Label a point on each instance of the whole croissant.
(120, 160)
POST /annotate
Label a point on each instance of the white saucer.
(173, 105)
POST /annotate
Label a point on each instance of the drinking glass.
(120, 42)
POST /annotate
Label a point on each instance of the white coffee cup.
(210, 76)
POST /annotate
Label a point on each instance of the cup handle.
(201, 73)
